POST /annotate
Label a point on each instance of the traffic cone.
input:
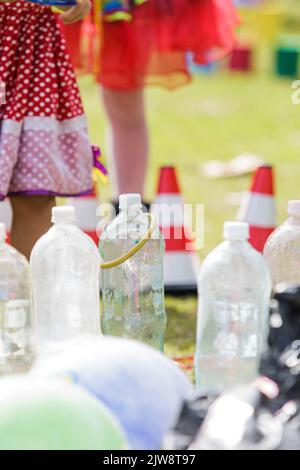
(86, 209)
(258, 207)
(181, 262)
(6, 216)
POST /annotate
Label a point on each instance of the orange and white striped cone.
(86, 213)
(6, 216)
(181, 262)
(258, 207)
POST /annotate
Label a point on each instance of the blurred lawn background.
(217, 117)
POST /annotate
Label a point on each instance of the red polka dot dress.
(44, 146)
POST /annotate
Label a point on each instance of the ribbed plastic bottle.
(282, 250)
(16, 323)
(234, 292)
(65, 266)
(133, 291)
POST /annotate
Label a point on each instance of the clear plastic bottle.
(16, 324)
(234, 293)
(133, 292)
(282, 250)
(65, 266)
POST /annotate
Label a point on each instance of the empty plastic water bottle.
(65, 266)
(234, 291)
(133, 285)
(16, 328)
(282, 250)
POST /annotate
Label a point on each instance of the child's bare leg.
(128, 139)
(31, 219)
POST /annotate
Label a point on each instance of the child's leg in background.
(128, 140)
(31, 219)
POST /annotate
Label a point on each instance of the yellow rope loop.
(134, 249)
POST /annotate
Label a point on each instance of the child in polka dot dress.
(44, 145)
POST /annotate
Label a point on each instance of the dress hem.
(149, 80)
(45, 192)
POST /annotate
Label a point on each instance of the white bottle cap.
(131, 200)
(294, 208)
(63, 214)
(236, 231)
(2, 233)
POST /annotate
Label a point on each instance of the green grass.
(217, 117)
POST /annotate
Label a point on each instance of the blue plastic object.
(143, 388)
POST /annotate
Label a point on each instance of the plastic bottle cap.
(2, 233)
(127, 201)
(236, 231)
(63, 214)
(294, 208)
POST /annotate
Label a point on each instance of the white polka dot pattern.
(54, 155)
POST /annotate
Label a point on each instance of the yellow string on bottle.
(134, 249)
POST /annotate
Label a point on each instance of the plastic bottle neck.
(63, 215)
(131, 212)
(63, 222)
(293, 219)
(236, 242)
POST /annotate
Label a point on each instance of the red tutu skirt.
(44, 145)
(151, 49)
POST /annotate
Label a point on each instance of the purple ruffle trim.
(44, 192)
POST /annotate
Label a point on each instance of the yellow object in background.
(270, 23)
(60, 201)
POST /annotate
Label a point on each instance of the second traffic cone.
(258, 208)
(86, 210)
(181, 262)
